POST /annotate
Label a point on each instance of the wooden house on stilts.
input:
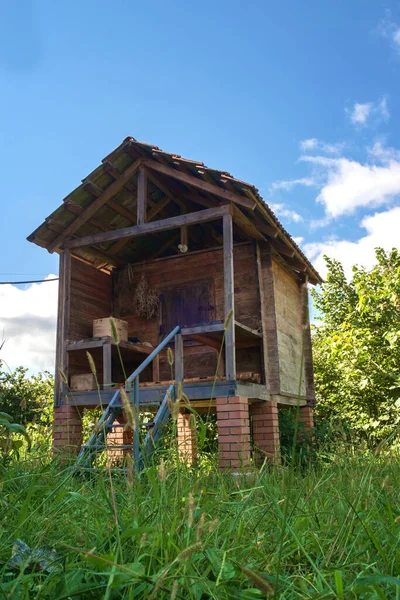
(193, 264)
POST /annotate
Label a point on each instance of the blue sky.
(299, 98)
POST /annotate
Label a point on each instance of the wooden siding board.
(288, 307)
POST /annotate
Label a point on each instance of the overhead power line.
(31, 281)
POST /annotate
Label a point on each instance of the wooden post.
(59, 342)
(64, 294)
(107, 366)
(229, 299)
(179, 375)
(263, 314)
(141, 196)
(184, 236)
(270, 321)
(307, 346)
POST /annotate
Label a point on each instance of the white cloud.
(361, 113)
(28, 324)
(349, 184)
(299, 240)
(390, 30)
(291, 183)
(315, 144)
(382, 230)
(286, 213)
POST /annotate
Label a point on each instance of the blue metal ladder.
(98, 440)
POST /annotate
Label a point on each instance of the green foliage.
(12, 436)
(357, 348)
(27, 398)
(185, 534)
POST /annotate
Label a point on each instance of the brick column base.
(119, 437)
(306, 416)
(67, 429)
(186, 438)
(264, 417)
(233, 432)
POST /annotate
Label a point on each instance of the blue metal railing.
(132, 389)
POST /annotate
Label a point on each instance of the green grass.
(178, 533)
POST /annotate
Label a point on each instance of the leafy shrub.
(357, 348)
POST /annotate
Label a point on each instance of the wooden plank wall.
(288, 303)
(90, 299)
(200, 361)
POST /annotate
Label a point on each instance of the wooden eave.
(174, 185)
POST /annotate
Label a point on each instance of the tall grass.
(175, 532)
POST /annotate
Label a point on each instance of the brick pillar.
(233, 432)
(186, 437)
(67, 429)
(119, 436)
(306, 416)
(264, 416)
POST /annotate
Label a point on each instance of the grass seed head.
(228, 319)
(174, 590)
(129, 469)
(114, 331)
(161, 471)
(191, 507)
(213, 525)
(129, 409)
(63, 376)
(170, 356)
(91, 364)
(200, 527)
(258, 581)
(187, 552)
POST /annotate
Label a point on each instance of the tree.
(26, 398)
(357, 347)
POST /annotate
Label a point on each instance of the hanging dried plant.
(145, 300)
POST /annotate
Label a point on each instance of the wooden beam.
(120, 209)
(207, 341)
(201, 184)
(273, 232)
(200, 216)
(157, 208)
(270, 323)
(60, 337)
(107, 366)
(296, 264)
(142, 196)
(307, 345)
(63, 323)
(95, 205)
(179, 369)
(116, 173)
(229, 299)
(282, 248)
(76, 209)
(263, 313)
(246, 225)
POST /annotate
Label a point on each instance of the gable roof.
(171, 177)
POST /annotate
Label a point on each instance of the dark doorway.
(186, 305)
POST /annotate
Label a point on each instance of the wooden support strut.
(142, 196)
(65, 291)
(95, 205)
(200, 216)
(229, 299)
(198, 183)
